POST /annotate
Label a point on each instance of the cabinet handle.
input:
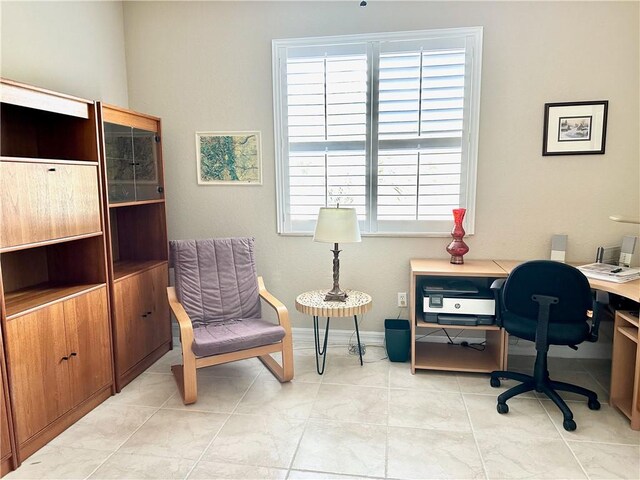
(143, 315)
(148, 313)
(72, 354)
(52, 169)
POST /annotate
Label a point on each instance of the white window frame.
(473, 70)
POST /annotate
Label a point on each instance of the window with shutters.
(384, 123)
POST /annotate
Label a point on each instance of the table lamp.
(337, 225)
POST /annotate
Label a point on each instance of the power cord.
(353, 347)
(474, 346)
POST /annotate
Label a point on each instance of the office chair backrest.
(216, 279)
(555, 279)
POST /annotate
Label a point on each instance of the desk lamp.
(336, 225)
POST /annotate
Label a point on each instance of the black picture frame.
(575, 128)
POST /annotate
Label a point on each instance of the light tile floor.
(376, 421)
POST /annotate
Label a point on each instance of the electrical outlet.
(402, 299)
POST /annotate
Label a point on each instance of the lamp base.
(338, 296)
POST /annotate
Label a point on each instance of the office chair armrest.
(277, 305)
(599, 302)
(496, 288)
(184, 322)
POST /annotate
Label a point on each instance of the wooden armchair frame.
(185, 374)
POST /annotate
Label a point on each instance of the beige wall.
(207, 67)
(71, 47)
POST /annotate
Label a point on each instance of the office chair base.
(546, 386)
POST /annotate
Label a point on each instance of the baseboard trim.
(337, 336)
(304, 335)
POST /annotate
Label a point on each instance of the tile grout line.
(304, 429)
(473, 432)
(386, 443)
(195, 464)
(132, 433)
(564, 440)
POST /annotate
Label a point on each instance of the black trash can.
(397, 335)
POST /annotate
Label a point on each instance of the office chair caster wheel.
(495, 382)
(593, 404)
(569, 425)
(502, 408)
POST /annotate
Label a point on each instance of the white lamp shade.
(337, 225)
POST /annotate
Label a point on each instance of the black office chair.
(546, 302)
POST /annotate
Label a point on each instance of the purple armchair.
(217, 302)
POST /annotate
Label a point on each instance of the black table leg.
(355, 318)
(322, 352)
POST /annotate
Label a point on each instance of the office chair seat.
(545, 302)
(558, 333)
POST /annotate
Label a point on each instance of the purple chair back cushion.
(216, 279)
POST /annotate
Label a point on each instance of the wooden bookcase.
(431, 355)
(54, 298)
(137, 239)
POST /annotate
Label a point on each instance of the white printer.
(457, 302)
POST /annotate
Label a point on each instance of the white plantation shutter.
(383, 123)
(326, 104)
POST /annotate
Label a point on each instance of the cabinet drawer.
(47, 201)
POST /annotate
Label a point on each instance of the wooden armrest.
(184, 322)
(277, 305)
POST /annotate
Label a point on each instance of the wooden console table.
(443, 356)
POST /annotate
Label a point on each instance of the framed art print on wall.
(575, 128)
(229, 158)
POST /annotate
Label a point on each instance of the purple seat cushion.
(232, 336)
(216, 279)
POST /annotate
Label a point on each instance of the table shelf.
(431, 355)
(625, 368)
(455, 358)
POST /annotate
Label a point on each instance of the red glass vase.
(457, 248)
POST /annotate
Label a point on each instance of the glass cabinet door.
(145, 164)
(132, 164)
(118, 148)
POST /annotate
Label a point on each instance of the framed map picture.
(229, 158)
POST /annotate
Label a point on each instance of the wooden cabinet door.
(159, 325)
(5, 440)
(36, 351)
(142, 316)
(46, 201)
(130, 312)
(6, 450)
(88, 340)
